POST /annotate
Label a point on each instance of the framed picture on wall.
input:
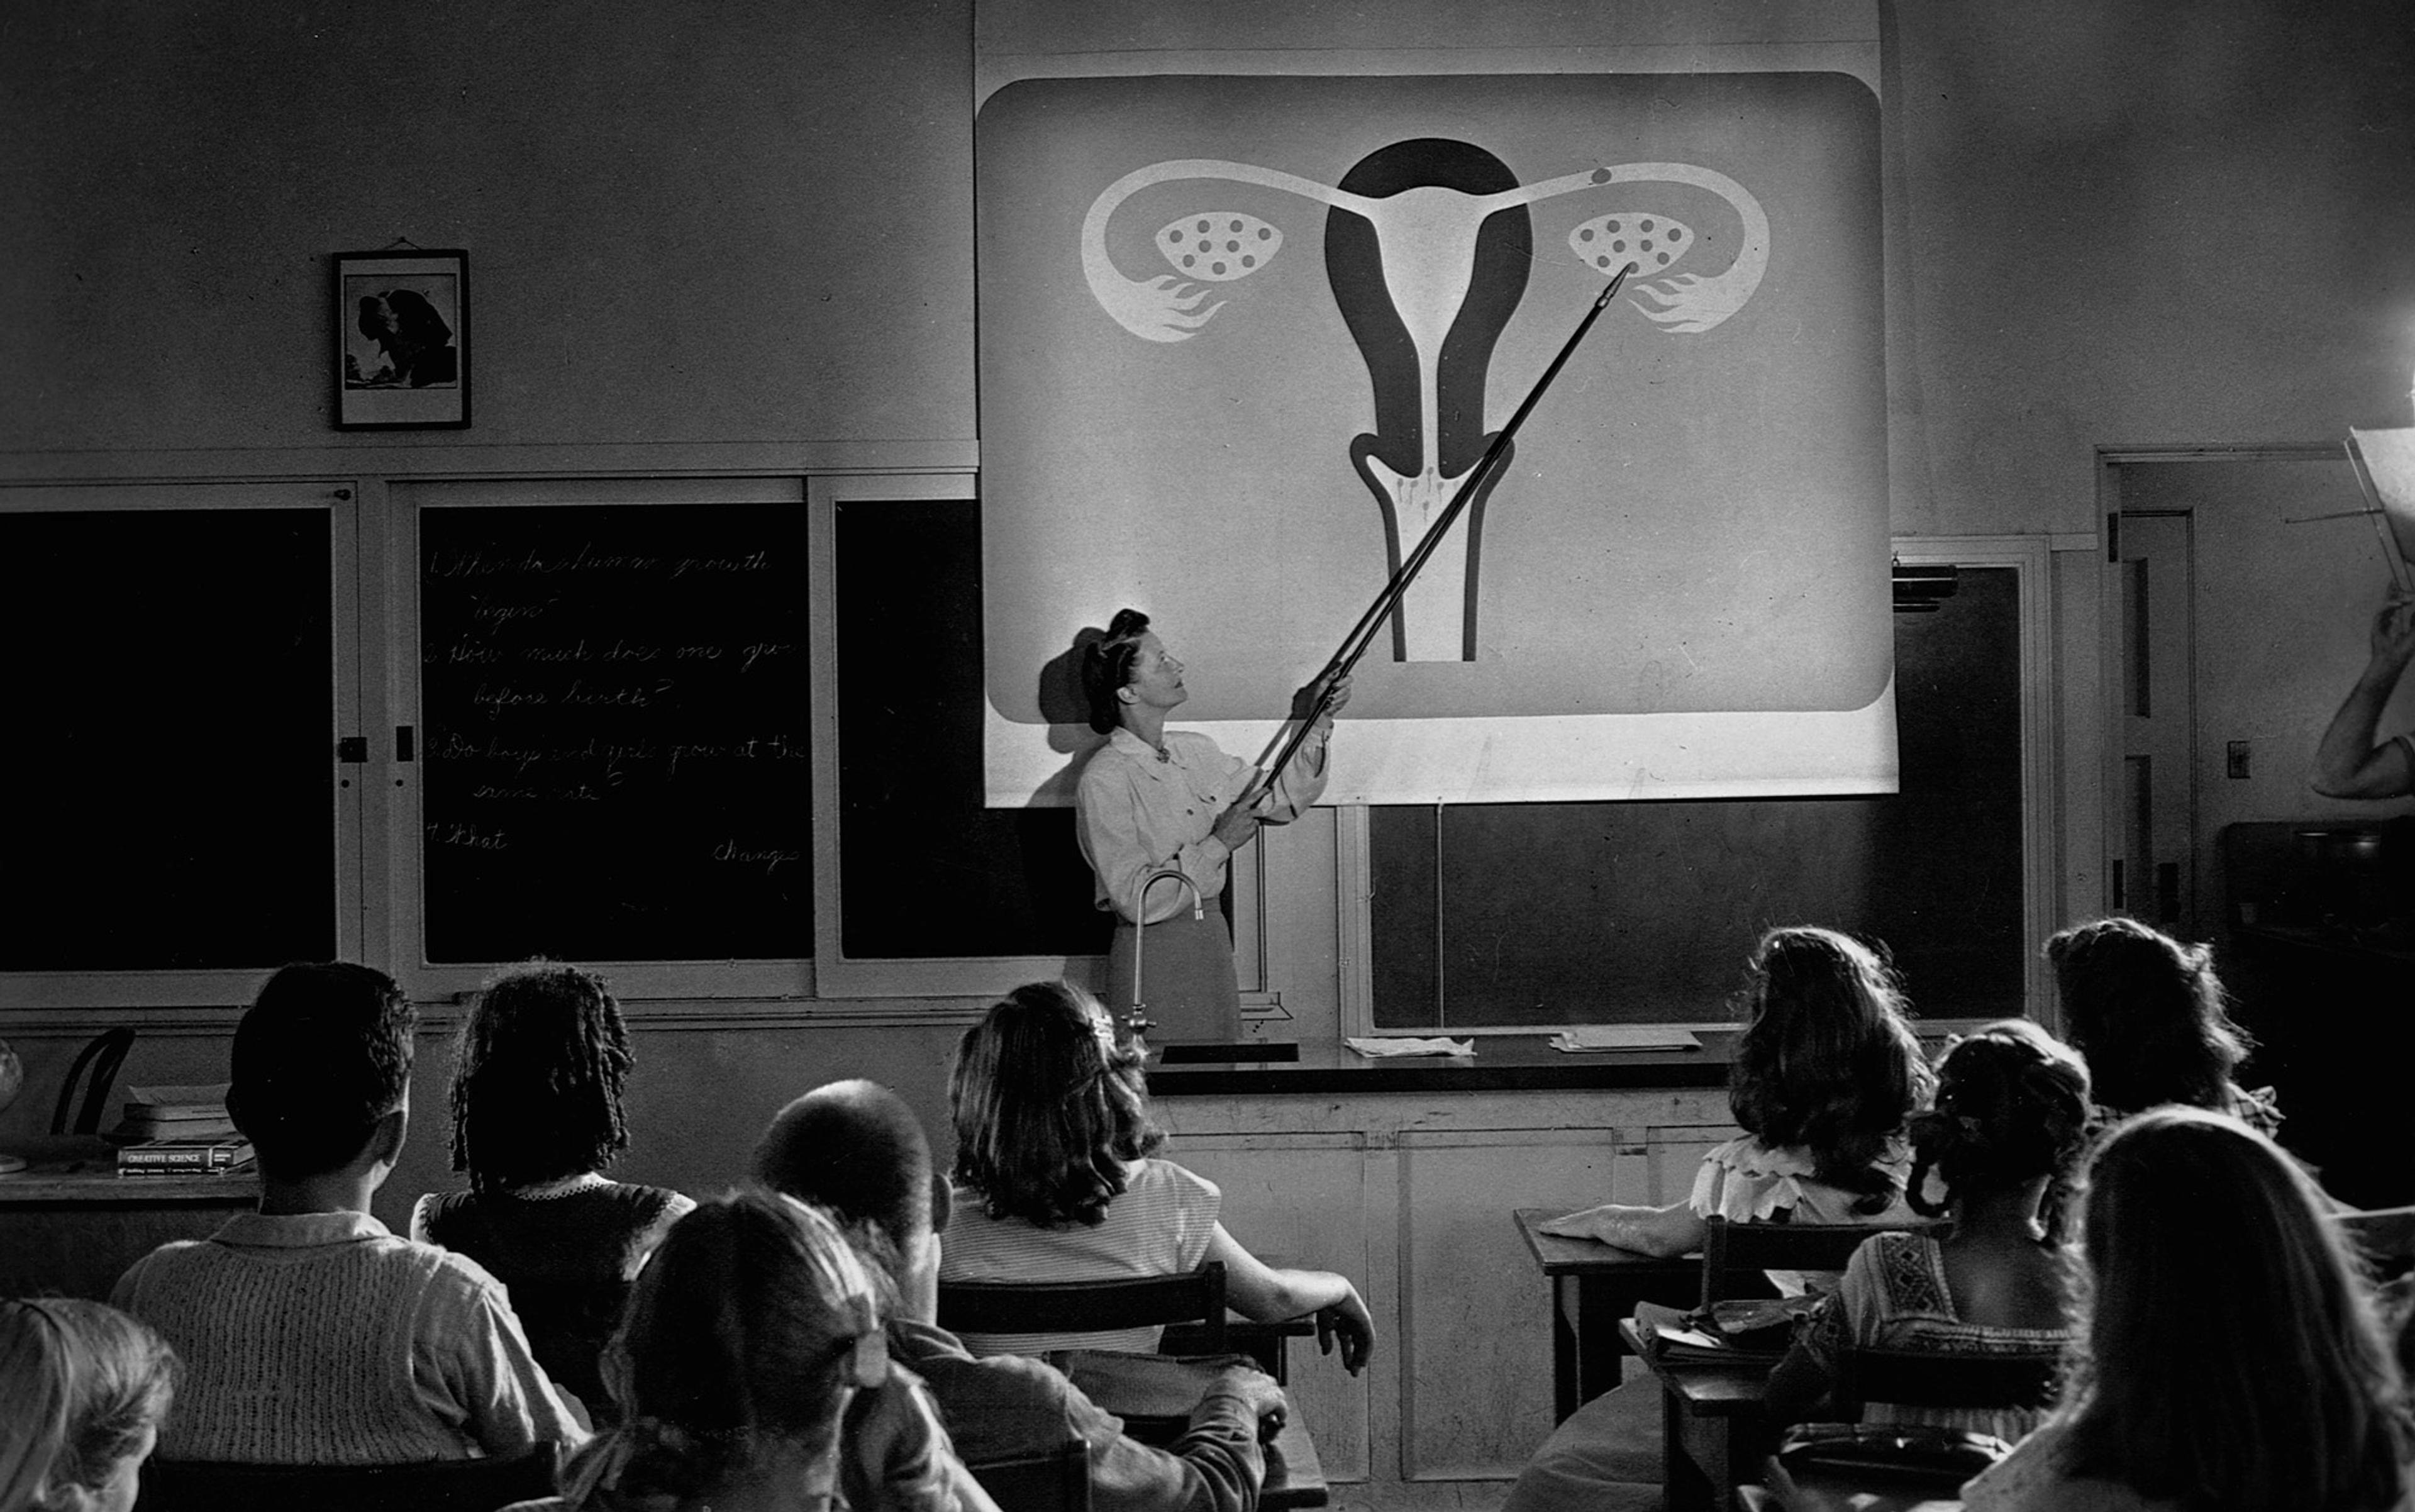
(402, 339)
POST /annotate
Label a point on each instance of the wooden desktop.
(69, 1224)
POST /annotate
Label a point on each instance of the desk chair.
(102, 1054)
(1943, 1379)
(1052, 1480)
(2385, 1235)
(432, 1485)
(1089, 1307)
(1736, 1254)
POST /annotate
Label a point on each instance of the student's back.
(322, 1339)
(309, 1334)
(1057, 1179)
(537, 1081)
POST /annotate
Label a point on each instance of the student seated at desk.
(1827, 1070)
(2147, 1012)
(1057, 1180)
(536, 1119)
(2230, 1359)
(753, 1375)
(2012, 1112)
(309, 1334)
(82, 1389)
(855, 1149)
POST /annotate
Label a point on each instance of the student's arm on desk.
(1663, 1233)
(1216, 1466)
(1263, 1293)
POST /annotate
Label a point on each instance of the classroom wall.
(747, 222)
(749, 227)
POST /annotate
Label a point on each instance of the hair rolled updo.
(1106, 667)
(2012, 1105)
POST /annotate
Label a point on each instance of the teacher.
(1153, 797)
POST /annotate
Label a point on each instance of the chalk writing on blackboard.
(616, 752)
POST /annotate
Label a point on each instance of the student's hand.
(1348, 1323)
(1611, 1223)
(1238, 825)
(1266, 1398)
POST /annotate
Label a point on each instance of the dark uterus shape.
(1426, 281)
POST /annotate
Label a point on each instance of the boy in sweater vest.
(310, 1334)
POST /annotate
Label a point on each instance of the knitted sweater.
(321, 1339)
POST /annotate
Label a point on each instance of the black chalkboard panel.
(613, 712)
(169, 758)
(926, 869)
(1645, 912)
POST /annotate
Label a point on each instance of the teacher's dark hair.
(1047, 1108)
(1106, 667)
(1827, 1061)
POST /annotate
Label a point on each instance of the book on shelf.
(153, 1113)
(197, 1155)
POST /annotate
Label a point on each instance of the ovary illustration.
(1427, 247)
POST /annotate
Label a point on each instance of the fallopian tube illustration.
(1426, 248)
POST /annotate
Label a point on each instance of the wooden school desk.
(1594, 1288)
(1714, 1432)
(69, 1224)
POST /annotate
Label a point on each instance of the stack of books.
(178, 1131)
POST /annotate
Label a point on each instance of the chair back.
(432, 1485)
(2386, 1235)
(1052, 1480)
(1089, 1306)
(1935, 1378)
(102, 1054)
(1736, 1254)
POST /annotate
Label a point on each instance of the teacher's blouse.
(1138, 812)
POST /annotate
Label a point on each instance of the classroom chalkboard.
(169, 758)
(614, 732)
(927, 870)
(1548, 913)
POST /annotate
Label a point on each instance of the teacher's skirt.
(1191, 993)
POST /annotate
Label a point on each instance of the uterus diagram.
(1428, 246)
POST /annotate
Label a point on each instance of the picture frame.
(402, 339)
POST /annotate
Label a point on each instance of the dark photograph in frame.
(402, 339)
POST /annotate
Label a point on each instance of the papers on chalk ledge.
(1379, 1049)
(1593, 1036)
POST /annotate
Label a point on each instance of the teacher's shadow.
(1067, 710)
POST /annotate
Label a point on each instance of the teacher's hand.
(1334, 695)
(1238, 825)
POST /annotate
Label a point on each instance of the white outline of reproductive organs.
(1428, 238)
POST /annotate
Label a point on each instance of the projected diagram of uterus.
(1428, 246)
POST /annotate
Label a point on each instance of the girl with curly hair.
(2011, 1116)
(538, 1079)
(1056, 1178)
